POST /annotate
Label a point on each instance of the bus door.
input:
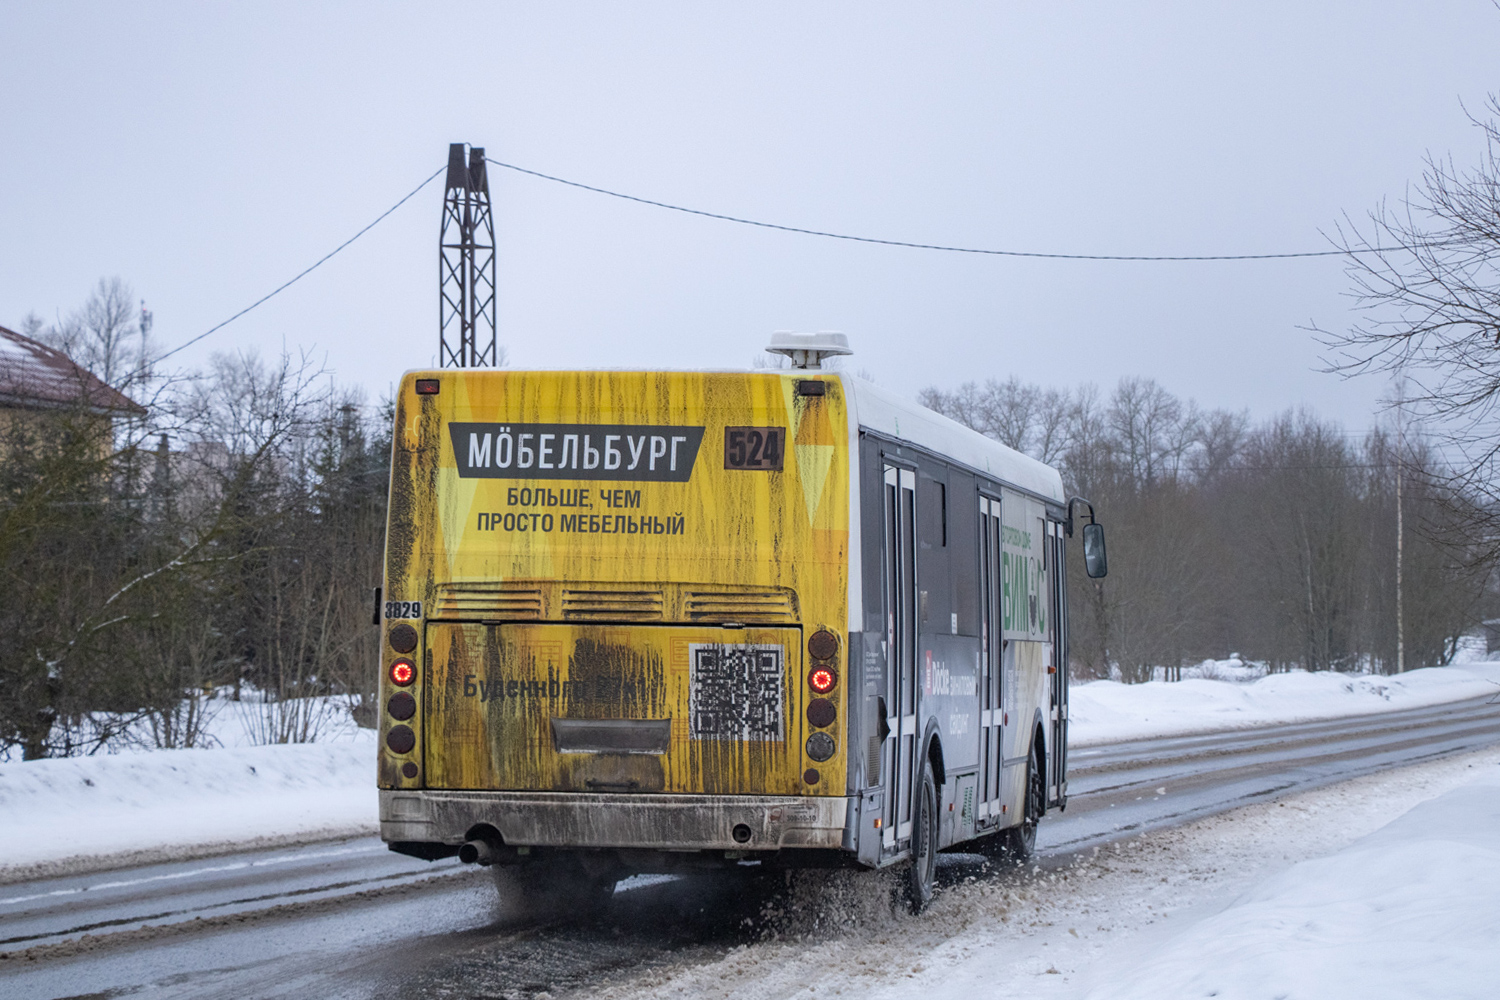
(1057, 778)
(991, 717)
(901, 655)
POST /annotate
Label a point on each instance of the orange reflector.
(822, 680)
(877, 822)
(403, 673)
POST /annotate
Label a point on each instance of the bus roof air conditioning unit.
(807, 350)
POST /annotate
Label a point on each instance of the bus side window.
(934, 569)
(961, 503)
(932, 511)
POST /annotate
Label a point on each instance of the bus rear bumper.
(586, 820)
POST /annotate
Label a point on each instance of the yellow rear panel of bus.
(618, 574)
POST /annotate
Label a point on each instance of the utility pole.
(1400, 528)
(466, 265)
(1400, 539)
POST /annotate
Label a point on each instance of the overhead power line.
(928, 246)
(319, 263)
(763, 225)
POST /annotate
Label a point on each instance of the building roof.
(33, 375)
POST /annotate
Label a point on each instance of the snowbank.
(69, 813)
(1106, 711)
(1409, 911)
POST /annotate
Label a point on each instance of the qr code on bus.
(736, 692)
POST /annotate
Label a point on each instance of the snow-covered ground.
(1387, 886)
(222, 721)
(73, 813)
(112, 809)
(1409, 911)
(1107, 711)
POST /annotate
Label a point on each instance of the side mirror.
(1095, 563)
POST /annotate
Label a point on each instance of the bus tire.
(922, 872)
(554, 887)
(1020, 841)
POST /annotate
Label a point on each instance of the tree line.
(225, 541)
(1275, 541)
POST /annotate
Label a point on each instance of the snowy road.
(350, 920)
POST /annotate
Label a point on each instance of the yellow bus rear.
(614, 613)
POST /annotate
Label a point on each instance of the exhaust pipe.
(477, 852)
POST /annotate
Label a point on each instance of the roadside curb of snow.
(1110, 712)
(74, 815)
(87, 864)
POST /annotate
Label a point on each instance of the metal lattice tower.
(466, 265)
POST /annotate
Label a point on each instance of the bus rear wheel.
(1020, 841)
(922, 873)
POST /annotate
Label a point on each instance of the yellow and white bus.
(655, 620)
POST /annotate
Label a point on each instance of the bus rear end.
(614, 616)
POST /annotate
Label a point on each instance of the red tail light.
(403, 673)
(822, 679)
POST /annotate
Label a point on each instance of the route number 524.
(758, 448)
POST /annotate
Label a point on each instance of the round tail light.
(822, 679)
(402, 706)
(820, 747)
(403, 673)
(821, 713)
(823, 645)
(403, 638)
(401, 739)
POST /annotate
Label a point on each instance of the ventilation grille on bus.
(612, 605)
(872, 761)
(488, 601)
(765, 606)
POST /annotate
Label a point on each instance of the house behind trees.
(38, 383)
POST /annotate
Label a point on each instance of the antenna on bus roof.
(807, 350)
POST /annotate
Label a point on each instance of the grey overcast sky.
(208, 152)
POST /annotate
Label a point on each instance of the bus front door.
(1057, 762)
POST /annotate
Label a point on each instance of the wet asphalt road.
(349, 919)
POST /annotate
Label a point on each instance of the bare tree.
(1425, 278)
(968, 404)
(106, 335)
(1153, 429)
(1221, 438)
(1018, 414)
(1051, 434)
